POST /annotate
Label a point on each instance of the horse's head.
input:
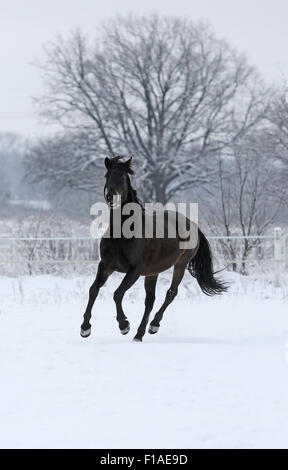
(117, 179)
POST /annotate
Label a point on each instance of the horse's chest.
(118, 254)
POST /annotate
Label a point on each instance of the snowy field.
(216, 374)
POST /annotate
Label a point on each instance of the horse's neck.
(117, 218)
(132, 195)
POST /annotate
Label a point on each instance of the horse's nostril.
(109, 198)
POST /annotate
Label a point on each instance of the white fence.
(60, 254)
(269, 253)
(41, 255)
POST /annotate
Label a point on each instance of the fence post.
(277, 256)
(12, 257)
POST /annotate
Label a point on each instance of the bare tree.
(164, 89)
(67, 158)
(12, 148)
(246, 201)
(279, 117)
(278, 133)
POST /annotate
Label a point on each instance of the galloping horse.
(146, 256)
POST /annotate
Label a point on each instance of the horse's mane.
(133, 193)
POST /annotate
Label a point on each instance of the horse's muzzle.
(113, 200)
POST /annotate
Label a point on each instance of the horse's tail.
(201, 267)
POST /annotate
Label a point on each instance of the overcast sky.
(257, 27)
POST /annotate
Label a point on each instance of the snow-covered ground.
(216, 374)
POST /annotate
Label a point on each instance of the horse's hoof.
(125, 331)
(137, 340)
(85, 333)
(124, 327)
(153, 329)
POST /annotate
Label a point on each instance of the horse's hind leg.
(128, 281)
(102, 275)
(178, 274)
(150, 285)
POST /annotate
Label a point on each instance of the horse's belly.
(150, 270)
(161, 259)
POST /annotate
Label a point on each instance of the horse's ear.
(128, 165)
(108, 163)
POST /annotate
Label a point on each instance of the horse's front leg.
(128, 281)
(102, 275)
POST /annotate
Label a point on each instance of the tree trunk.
(160, 188)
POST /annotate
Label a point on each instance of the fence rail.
(19, 255)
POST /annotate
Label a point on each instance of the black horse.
(143, 256)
